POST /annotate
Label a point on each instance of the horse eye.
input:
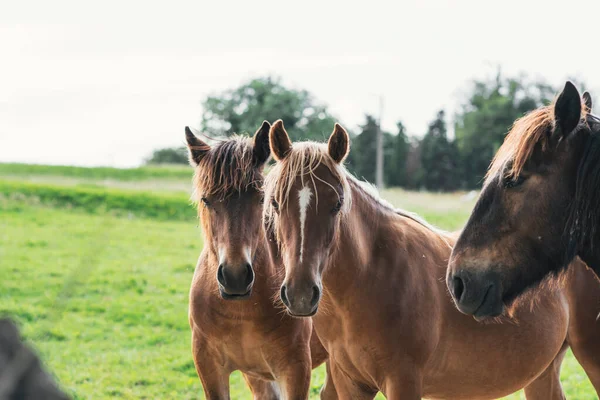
(205, 201)
(514, 182)
(337, 207)
(275, 204)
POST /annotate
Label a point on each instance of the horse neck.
(370, 224)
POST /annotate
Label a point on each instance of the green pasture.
(123, 174)
(96, 265)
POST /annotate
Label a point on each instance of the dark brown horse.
(538, 209)
(235, 323)
(372, 278)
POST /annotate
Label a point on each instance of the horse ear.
(587, 100)
(280, 142)
(338, 145)
(197, 148)
(567, 110)
(262, 151)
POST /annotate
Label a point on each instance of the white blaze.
(248, 254)
(221, 256)
(304, 196)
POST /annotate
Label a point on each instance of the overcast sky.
(106, 82)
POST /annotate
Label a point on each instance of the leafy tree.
(438, 157)
(175, 155)
(243, 109)
(492, 107)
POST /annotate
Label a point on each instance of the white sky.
(106, 82)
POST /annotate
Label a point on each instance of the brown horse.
(235, 323)
(372, 277)
(538, 209)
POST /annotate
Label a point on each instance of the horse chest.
(357, 354)
(241, 345)
(238, 334)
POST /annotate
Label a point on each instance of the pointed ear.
(280, 142)
(197, 148)
(587, 100)
(567, 110)
(262, 151)
(339, 144)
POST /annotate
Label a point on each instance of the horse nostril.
(458, 287)
(249, 274)
(284, 296)
(316, 296)
(220, 276)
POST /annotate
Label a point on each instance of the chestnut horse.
(235, 323)
(372, 278)
(538, 209)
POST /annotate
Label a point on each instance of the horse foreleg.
(214, 378)
(404, 386)
(345, 387)
(263, 390)
(587, 352)
(547, 385)
(328, 391)
(294, 381)
(583, 293)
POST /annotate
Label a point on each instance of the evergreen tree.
(361, 161)
(414, 168)
(438, 157)
(395, 158)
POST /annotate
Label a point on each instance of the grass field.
(96, 270)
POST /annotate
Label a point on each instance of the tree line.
(432, 160)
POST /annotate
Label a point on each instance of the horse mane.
(302, 161)
(525, 134)
(227, 168)
(533, 129)
(582, 225)
(372, 192)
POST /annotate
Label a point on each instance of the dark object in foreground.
(22, 375)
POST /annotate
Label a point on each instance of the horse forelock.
(301, 162)
(228, 168)
(519, 143)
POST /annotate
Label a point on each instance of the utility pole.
(379, 159)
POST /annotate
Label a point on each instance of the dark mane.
(229, 167)
(585, 212)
